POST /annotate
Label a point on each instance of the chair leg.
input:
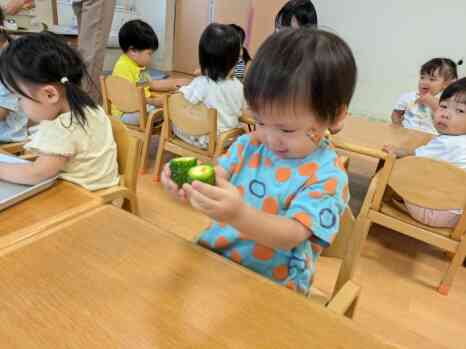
(159, 160)
(350, 312)
(456, 262)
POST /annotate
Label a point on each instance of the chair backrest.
(429, 183)
(123, 95)
(128, 149)
(345, 247)
(192, 119)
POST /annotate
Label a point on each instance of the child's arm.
(224, 203)
(397, 117)
(46, 166)
(3, 113)
(167, 85)
(155, 101)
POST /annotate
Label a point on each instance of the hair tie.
(460, 62)
(64, 80)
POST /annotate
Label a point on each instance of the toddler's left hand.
(222, 202)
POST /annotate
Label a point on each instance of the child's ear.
(342, 114)
(50, 94)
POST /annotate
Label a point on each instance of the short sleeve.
(196, 91)
(52, 138)
(234, 157)
(403, 101)
(319, 206)
(434, 150)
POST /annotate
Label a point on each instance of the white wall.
(391, 40)
(158, 13)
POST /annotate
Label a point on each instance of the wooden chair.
(128, 98)
(16, 148)
(195, 120)
(425, 183)
(347, 248)
(128, 148)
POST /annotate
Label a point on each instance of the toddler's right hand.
(171, 186)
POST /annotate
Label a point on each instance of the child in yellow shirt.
(138, 42)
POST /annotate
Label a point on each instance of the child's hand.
(181, 82)
(426, 99)
(171, 186)
(396, 151)
(222, 202)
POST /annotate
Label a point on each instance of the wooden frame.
(128, 150)
(194, 120)
(129, 98)
(399, 178)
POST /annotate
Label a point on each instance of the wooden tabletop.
(50, 207)
(108, 279)
(360, 131)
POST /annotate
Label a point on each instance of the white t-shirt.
(225, 96)
(447, 148)
(416, 116)
(91, 152)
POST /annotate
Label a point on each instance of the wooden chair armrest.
(29, 157)
(374, 153)
(345, 298)
(108, 195)
(225, 136)
(245, 119)
(13, 148)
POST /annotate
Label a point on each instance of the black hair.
(43, 58)
(219, 49)
(302, 67)
(457, 90)
(242, 35)
(446, 67)
(303, 10)
(137, 35)
(4, 36)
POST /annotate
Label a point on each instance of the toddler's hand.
(222, 202)
(390, 149)
(171, 186)
(182, 82)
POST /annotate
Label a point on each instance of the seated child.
(13, 122)
(281, 191)
(219, 49)
(138, 42)
(450, 145)
(74, 138)
(244, 57)
(415, 109)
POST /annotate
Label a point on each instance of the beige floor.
(398, 276)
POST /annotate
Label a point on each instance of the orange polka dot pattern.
(311, 192)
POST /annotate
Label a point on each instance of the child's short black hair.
(303, 10)
(302, 67)
(242, 36)
(41, 59)
(219, 50)
(137, 35)
(446, 67)
(457, 90)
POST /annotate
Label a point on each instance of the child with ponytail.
(74, 140)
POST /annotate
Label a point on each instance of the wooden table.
(362, 132)
(111, 280)
(62, 201)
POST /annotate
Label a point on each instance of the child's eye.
(443, 106)
(288, 131)
(461, 111)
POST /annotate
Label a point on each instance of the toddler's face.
(450, 117)
(290, 133)
(432, 83)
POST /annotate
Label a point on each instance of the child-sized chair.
(128, 98)
(128, 148)
(426, 183)
(194, 120)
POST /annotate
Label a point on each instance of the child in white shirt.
(415, 109)
(219, 50)
(450, 146)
